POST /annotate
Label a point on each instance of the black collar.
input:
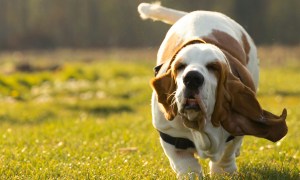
(179, 143)
(182, 143)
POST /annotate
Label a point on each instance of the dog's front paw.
(190, 176)
(217, 168)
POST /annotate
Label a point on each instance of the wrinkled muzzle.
(194, 113)
(192, 108)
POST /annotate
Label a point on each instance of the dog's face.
(199, 86)
(196, 82)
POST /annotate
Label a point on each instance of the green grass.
(90, 118)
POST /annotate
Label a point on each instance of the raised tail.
(157, 12)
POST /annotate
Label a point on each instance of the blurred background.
(44, 24)
(75, 94)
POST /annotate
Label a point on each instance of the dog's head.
(199, 86)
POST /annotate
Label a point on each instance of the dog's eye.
(212, 67)
(180, 67)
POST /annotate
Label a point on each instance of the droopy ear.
(165, 87)
(239, 112)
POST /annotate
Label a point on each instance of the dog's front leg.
(183, 162)
(227, 162)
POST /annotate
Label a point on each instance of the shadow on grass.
(102, 110)
(287, 93)
(270, 173)
(281, 93)
(25, 120)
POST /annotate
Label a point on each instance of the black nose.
(193, 80)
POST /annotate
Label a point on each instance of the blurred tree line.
(116, 23)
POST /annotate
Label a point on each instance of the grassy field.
(74, 114)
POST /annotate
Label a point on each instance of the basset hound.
(204, 92)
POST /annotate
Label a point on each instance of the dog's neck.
(210, 143)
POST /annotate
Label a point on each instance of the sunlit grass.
(90, 118)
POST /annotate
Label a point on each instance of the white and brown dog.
(204, 91)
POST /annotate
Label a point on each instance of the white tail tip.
(145, 9)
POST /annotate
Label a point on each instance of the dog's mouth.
(193, 106)
(194, 112)
(193, 103)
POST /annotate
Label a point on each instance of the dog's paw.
(190, 176)
(216, 168)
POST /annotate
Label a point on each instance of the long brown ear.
(239, 112)
(165, 87)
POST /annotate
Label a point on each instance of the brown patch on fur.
(174, 43)
(246, 47)
(227, 43)
(234, 53)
